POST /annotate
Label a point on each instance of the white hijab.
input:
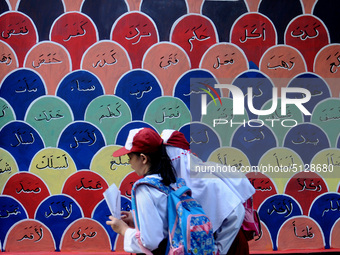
(218, 196)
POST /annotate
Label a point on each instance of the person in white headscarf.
(221, 197)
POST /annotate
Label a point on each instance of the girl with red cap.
(148, 158)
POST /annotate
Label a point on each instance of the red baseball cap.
(144, 140)
(175, 138)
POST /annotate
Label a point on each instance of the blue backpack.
(190, 230)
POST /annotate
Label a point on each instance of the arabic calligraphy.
(224, 161)
(49, 59)
(26, 88)
(282, 207)
(28, 138)
(15, 30)
(136, 35)
(334, 66)
(140, 93)
(91, 88)
(173, 112)
(4, 167)
(196, 91)
(84, 137)
(261, 184)
(301, 139)
(8, 213)
(306, 32)
(332, 113)
(201, 37)
(204, 140)
(284, 161)
(81, 237)
(49, 116)
(305, 233)
(110, 60)
(311, 186)
(254, 136)
(31, 235)
(115, 163)
(171, 60)
(3, 111)
(332, 207)
(254, 34)
(224, 62)
(7, 60)
(53, 162)
(78, 29)
(27, 191)
(111, 114)
(65, 211)
(331, 161)
(288, 65)
(89, 186)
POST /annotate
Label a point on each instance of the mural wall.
(76, 76)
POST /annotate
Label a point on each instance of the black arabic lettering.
(77, 235)
(6, 168)
(103, 62)
(3, 111)
(331, 208)
(253, 34)
(6, 59)
(111, 114)
(334, 66)
(136, 34)
(174, 113)
(52, 162)
(49, 116)
(20, 30)
(89, 187)
(199, 38)
(65, 211)
(85, 139)
(225, 62)
(79, 32)
(20, 140)
(281, 208)
(36, 190)
(332, 113)
(139, 94)
(9, 213)
(254, 138)
(30, 236)
(26, 88)
(311, 186)
(288, 65)
(303, 34)
(206, 136)
(118, 162)
(172, 60)
(302, 139)
(50, 60)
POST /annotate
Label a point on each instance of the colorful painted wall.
(76, 75)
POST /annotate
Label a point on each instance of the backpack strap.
(152, 182)
(156, 183)
(182, 190)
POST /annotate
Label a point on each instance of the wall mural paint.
(76, 76)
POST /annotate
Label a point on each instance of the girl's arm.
(152, 215)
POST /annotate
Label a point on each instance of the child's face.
(139, 163)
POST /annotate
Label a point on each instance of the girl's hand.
(118, 226)
(128, 219)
